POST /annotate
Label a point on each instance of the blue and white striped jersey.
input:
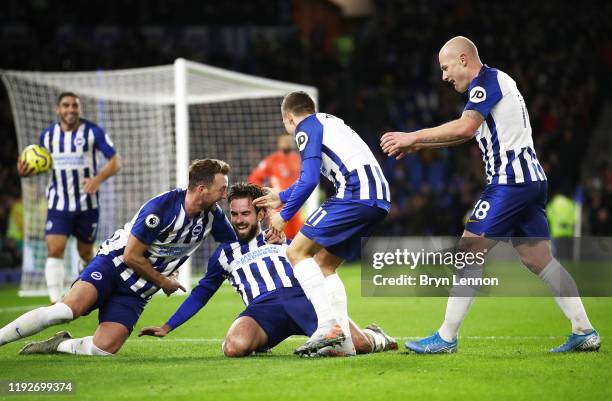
(255, 269)
(343, 158)
(74, 159)
(162, 223)
(504, 137)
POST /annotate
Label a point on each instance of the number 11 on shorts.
(316, 217)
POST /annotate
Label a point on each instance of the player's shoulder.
(166, 200)
(487, 77)
(162, 209)
(99, 133)
(312, 124)
(90, 125)
(309, 134)
(486, 85)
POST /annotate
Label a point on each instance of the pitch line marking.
(212, 340)
(20, 308)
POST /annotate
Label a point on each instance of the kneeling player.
(276, 306)
(132, 265)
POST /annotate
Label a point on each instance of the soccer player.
(132, 265)
(332, 234)
(512, 204)
(276, 306)
(281, 169)
(72, 193)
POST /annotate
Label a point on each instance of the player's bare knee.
(86, 255)
(295, 256)
(80, 298)
(533, 263)
(77, 308)
(54, 251)
(233, 347)
(110, 345)
(326, 270)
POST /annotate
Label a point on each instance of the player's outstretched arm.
(133, 256)
(455, 132)
(199, 297)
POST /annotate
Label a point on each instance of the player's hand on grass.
(155, 331)
(398, 144)
(170, 285)
(23, 169)
(91, 185)
(271, 199)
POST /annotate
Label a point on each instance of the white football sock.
(337, 297)
(564, 289)
(81, 346)
(459, 302)
(54, 275)
(310, 277)
(456, 309)
(34, 321)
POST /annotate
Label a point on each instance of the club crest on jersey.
(197, 229)
(478, 94)
(301, 139)
(49, 225)
(96, 276)
(152, 220)
(79, 141)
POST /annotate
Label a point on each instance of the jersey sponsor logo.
(152, 220)
(96, 276)
(172, 250)
(68, 161)
(478, 94)
(301, 139)
(197, 229)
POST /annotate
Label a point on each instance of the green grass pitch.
(502, 356)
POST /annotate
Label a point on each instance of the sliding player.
(132, 265)
(276, 306)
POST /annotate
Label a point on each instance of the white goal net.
(159, 119)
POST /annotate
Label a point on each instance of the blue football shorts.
(511, 211)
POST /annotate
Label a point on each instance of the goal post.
(159, 118)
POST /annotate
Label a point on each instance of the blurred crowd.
(378, 72)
